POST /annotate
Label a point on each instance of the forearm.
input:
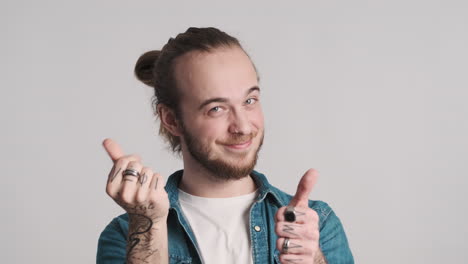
(147, 241)
(319, 258)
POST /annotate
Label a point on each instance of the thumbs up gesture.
(298, 233)
(137, 189)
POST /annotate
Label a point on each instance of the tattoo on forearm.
(143, 225)
(113, 177)
(289, 229)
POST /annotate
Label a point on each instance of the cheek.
(209, 130)
(257, 119)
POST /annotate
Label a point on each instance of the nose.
(240, 123)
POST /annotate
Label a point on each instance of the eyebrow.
(224, 100)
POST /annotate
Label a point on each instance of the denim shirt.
(183, 244)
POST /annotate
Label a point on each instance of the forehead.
(224, 72)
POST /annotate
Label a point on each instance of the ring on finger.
(285, 246)
(290, 214)
(131, 172)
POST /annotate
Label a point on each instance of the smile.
(240, 146)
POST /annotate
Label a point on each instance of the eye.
(215, 109)
(250, 101)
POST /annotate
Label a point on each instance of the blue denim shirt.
(183, 244)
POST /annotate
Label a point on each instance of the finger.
(158, 182)
(305, 186)
(143, 185)
(295, 246)
(296, 259)
(116, 173)
(289, 230)
(145, 177)
(113, 149)
(132, 166)
(303, 215)
(115, 176)
(129, 183)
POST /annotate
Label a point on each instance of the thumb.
(305, 186)
(113, 149)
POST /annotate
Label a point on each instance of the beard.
(223, 169)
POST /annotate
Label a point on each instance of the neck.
(199, 181)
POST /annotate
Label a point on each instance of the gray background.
(372, 94)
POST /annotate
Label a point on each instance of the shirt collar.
(264, 188)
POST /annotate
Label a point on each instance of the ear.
(169, 120)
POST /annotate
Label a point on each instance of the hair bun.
(145, 65)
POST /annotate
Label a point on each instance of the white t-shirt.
(221, 226)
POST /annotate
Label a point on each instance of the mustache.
(238, 139)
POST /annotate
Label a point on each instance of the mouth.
(240, 146)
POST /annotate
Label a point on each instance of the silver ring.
(290, 214)
(285, 246)
(130, 172)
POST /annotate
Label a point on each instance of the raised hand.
(137, 194)
(140, 192)
(298, 241)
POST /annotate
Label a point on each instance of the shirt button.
(257, 228)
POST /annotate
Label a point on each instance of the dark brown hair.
(156, 68)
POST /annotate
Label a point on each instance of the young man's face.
(220, 110)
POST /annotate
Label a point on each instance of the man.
(218, 209)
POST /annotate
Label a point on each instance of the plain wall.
(372, 94)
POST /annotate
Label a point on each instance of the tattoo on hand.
(113, 177)
(143, 179)
(289, 229)
(294, 245)
(111, 173)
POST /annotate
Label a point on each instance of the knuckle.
(164, 194)
(126, 199)
(119, 163)
(147, 170)
(126, 196)
(134, 157)
(278, 228)
(140, 198)
(134, 164)
(110, 191)
(279, 213)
